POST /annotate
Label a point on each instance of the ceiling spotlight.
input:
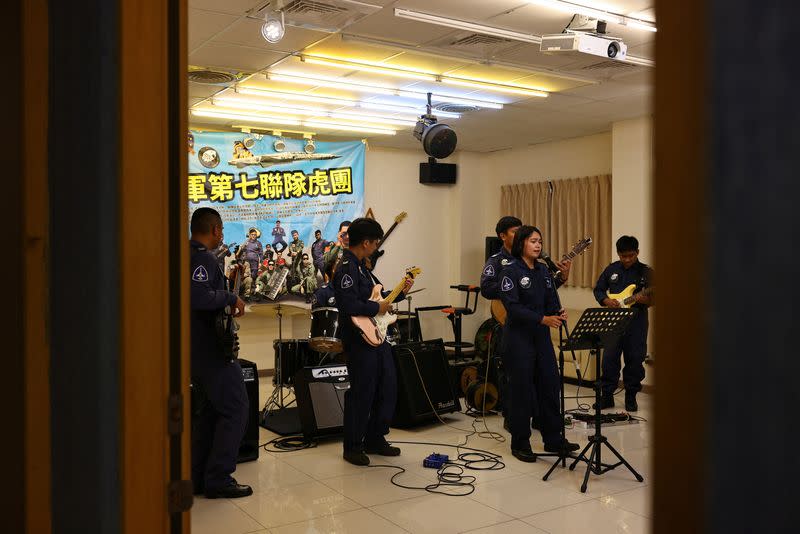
(273, 29)
(279, 145)
(310, 147)
(438, 140)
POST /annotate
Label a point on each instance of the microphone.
(550, 264)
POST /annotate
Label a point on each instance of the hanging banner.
(285, 189)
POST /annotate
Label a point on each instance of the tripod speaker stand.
(597, 329)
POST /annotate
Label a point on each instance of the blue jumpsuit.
(253, 254)
(528, 295)
(218, 427)
(633, 343)
(324, 297)
(369, 403)
(278, 234)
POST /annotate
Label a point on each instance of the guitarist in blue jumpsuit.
(633, 343)
(529, 296)
(369, 403)
(220, 420)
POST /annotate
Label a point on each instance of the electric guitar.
(627, 297)
(373, 329)
(226, 325)
(375, 256)
(499, 311)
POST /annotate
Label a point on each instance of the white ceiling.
(225, 35)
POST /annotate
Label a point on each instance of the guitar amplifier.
(248, 450)
(428, 360)
(320, 399)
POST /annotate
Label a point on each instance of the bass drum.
(291, 355)
(325, 332)
(488, 339)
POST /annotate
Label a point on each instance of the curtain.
(578, 208)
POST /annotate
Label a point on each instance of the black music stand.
(596, 330)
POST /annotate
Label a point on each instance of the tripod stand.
(596, 329)
(276, 414)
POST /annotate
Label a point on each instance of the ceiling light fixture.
(273, 29)
(305, 97)
(340, 83)
(483, 29)
(249, 118)
(485, 85)
(348, 127)
(438, 140)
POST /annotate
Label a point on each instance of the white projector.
(584, 43)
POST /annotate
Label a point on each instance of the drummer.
(325, 296)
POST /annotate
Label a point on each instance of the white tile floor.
(315, 491)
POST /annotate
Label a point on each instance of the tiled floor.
(315, 491)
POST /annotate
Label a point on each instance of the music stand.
(596, 330)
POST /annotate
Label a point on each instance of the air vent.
(604, 65)
(455, 108)
(213, 77)
(304, 8)
(477, 39)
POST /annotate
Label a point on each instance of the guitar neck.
(386, 235)
(644, 292)
(396, 291)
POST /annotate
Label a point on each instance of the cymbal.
(271, 309)
(416, 291)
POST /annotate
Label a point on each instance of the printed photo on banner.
(282, 202)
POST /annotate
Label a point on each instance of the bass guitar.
(499, 311)
(627, 297)
(373, 329)
(375, 256)
(226, 325)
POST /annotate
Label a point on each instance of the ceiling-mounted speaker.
(434, 172)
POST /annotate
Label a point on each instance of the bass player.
(370, 401)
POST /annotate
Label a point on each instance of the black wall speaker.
(493, 246)
(248, 450)
(320, 399)
(428, 359)
(437, 173)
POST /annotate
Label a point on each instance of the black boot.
(356, 457)
(606, 401)
(630, 402)
(234, 490)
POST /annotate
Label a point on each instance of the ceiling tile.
(247, 32)
(203, 25)
(233, 57)
(233, 7)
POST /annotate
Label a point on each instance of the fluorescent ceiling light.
(347, 127)
(485, 85)
(246, 105)
(340, 83)
(305, 97)
(640, 25)
(367, 67)
(464, 25)
(239, 116)
(569, 7)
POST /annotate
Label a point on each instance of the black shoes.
(630, 403)
(565, 446)
(605, 402)
(524, 455)
(383, 449)
(232, 491)
(356, 457)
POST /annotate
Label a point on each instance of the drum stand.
(277, 415)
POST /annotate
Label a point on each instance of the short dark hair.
(505, 223)
(523, 233)
(627, 243)
(329, 268)
(295, 232)
(305, 255)
(277, 220)
(317, 231)
(343, 224)
(204, 219)
(363, 229)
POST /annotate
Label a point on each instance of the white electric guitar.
(373, 329)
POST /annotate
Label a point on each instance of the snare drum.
(325, 334)
(292, 355)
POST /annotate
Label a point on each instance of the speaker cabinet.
(320, 399)
(428, 360)
(248, 450)
(437, 173)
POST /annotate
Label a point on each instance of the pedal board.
(586, 420)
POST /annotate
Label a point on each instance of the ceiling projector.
(584, 43)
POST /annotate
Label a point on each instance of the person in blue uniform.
(325, 295)
(220, 419)
(318, 252)
(369, 403)
(253, 251)
(633, 343)
(529, 296)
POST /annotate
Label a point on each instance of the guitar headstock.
(581, 245)
(400, 217)
(413, 272)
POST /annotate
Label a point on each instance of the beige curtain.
(528, 202)
(581, 207)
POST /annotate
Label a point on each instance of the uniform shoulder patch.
(489, 270)
(200, 274)
(347, 281)
(506, 284)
